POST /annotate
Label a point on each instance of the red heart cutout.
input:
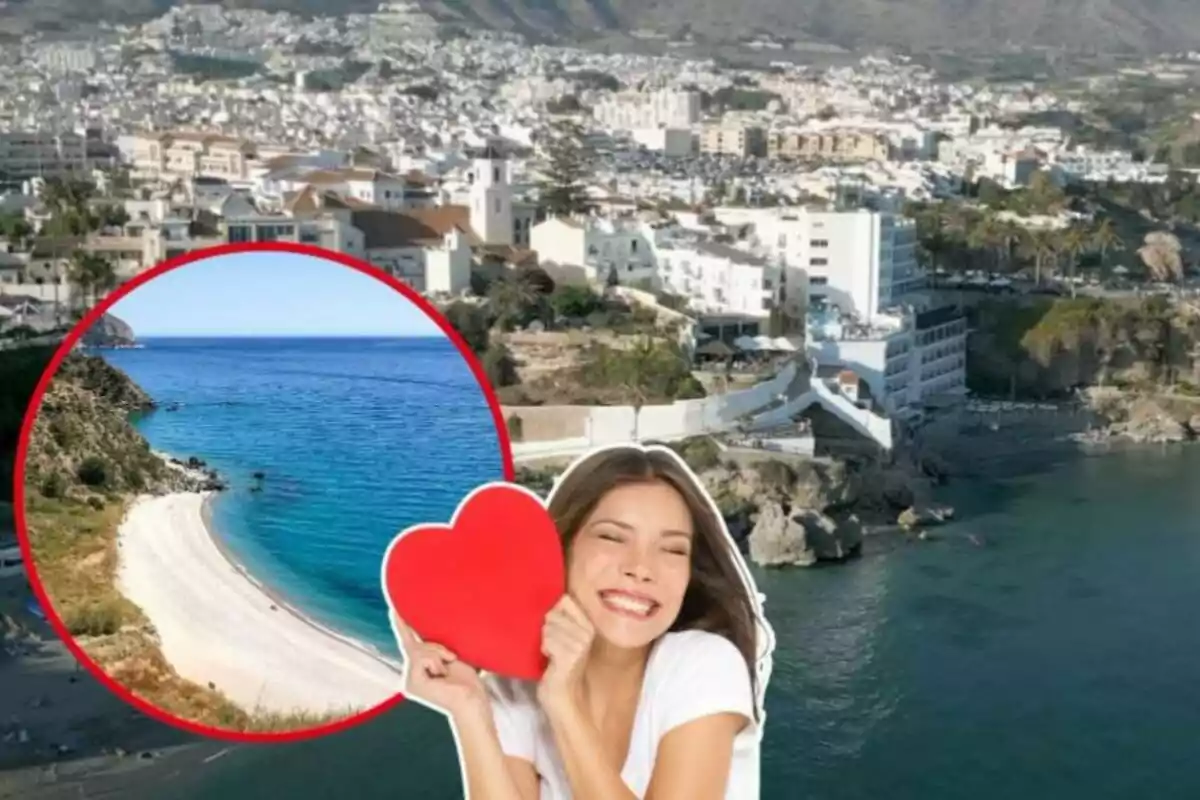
(482, 585)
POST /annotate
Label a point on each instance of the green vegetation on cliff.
(86, 463)
(1043, 347)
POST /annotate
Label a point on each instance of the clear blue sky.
(270, 294)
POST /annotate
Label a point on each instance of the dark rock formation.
(109, 331)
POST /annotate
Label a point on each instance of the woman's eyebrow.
(608, 521)
(672, 532)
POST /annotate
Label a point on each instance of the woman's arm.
(694, 760)
(589, 771)
(489, 773)
(435, 677)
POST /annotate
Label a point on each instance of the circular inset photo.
(213, 467)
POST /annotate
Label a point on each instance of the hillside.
(1046, 348)
(915, 25)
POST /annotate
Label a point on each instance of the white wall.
(559, 241)
(678, 420)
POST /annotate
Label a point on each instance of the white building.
(629, 111)
(910, 362)
(27, 154)
(863, 261)
(672, 142)
(429, 249)
(599, 245)
(716, 278)
(491, 199)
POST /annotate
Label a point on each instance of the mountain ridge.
(910, 25)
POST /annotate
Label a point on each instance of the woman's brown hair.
(717, 598)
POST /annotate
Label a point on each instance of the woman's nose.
(637, 566)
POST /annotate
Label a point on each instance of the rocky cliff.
(1039, 348)
(798, 512)
(109, 331)
(83, 443)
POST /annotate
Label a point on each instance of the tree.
(471, 323)
(92, 276)
(612, 281)
(1105, 239)
(575, 301)
(513, 301)
(1042, 247)
(1074, 242)
(563, 184)
(1161, 253)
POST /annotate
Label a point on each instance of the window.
(818, 262)
(496, 174)
(819, 243)
(818, 281)
(499, 205)
(240, 233)
(633, 245)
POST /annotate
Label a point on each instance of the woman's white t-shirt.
(689, 675)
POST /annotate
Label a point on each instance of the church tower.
(491, 198)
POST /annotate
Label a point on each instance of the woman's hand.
(567, 636)
(436, 676)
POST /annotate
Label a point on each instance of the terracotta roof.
(283, 162)
(311, 200)
(417, 178)
(343, 175)
(416, 228)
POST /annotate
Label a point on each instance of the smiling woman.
(654, 684)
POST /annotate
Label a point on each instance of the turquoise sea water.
(359, 438)
(1045, 648)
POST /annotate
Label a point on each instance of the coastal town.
(832, 288)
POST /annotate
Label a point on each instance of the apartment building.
(716, 278)
(185, 154)
(830, 145)
(33, 154)
(864, 261)
(629, 111)
(913, 362)
(741, 141)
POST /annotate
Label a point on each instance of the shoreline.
(278, 597)
(221, 627)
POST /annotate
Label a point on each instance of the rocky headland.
(84, 447)
(801, 512)
(109, 331)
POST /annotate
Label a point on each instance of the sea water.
(1043, 647)
(357, 439)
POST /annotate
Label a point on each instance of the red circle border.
(69, 342)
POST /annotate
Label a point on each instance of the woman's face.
(630, 563)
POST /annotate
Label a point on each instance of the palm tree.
(1074, 241)
(91, 275)
(1106, 238)
(1041, 246)
(636, 371)
(511, 298)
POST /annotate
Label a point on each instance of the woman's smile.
(629, 604)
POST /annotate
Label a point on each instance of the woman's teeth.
(621, 602)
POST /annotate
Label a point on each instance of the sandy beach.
(218, 625)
